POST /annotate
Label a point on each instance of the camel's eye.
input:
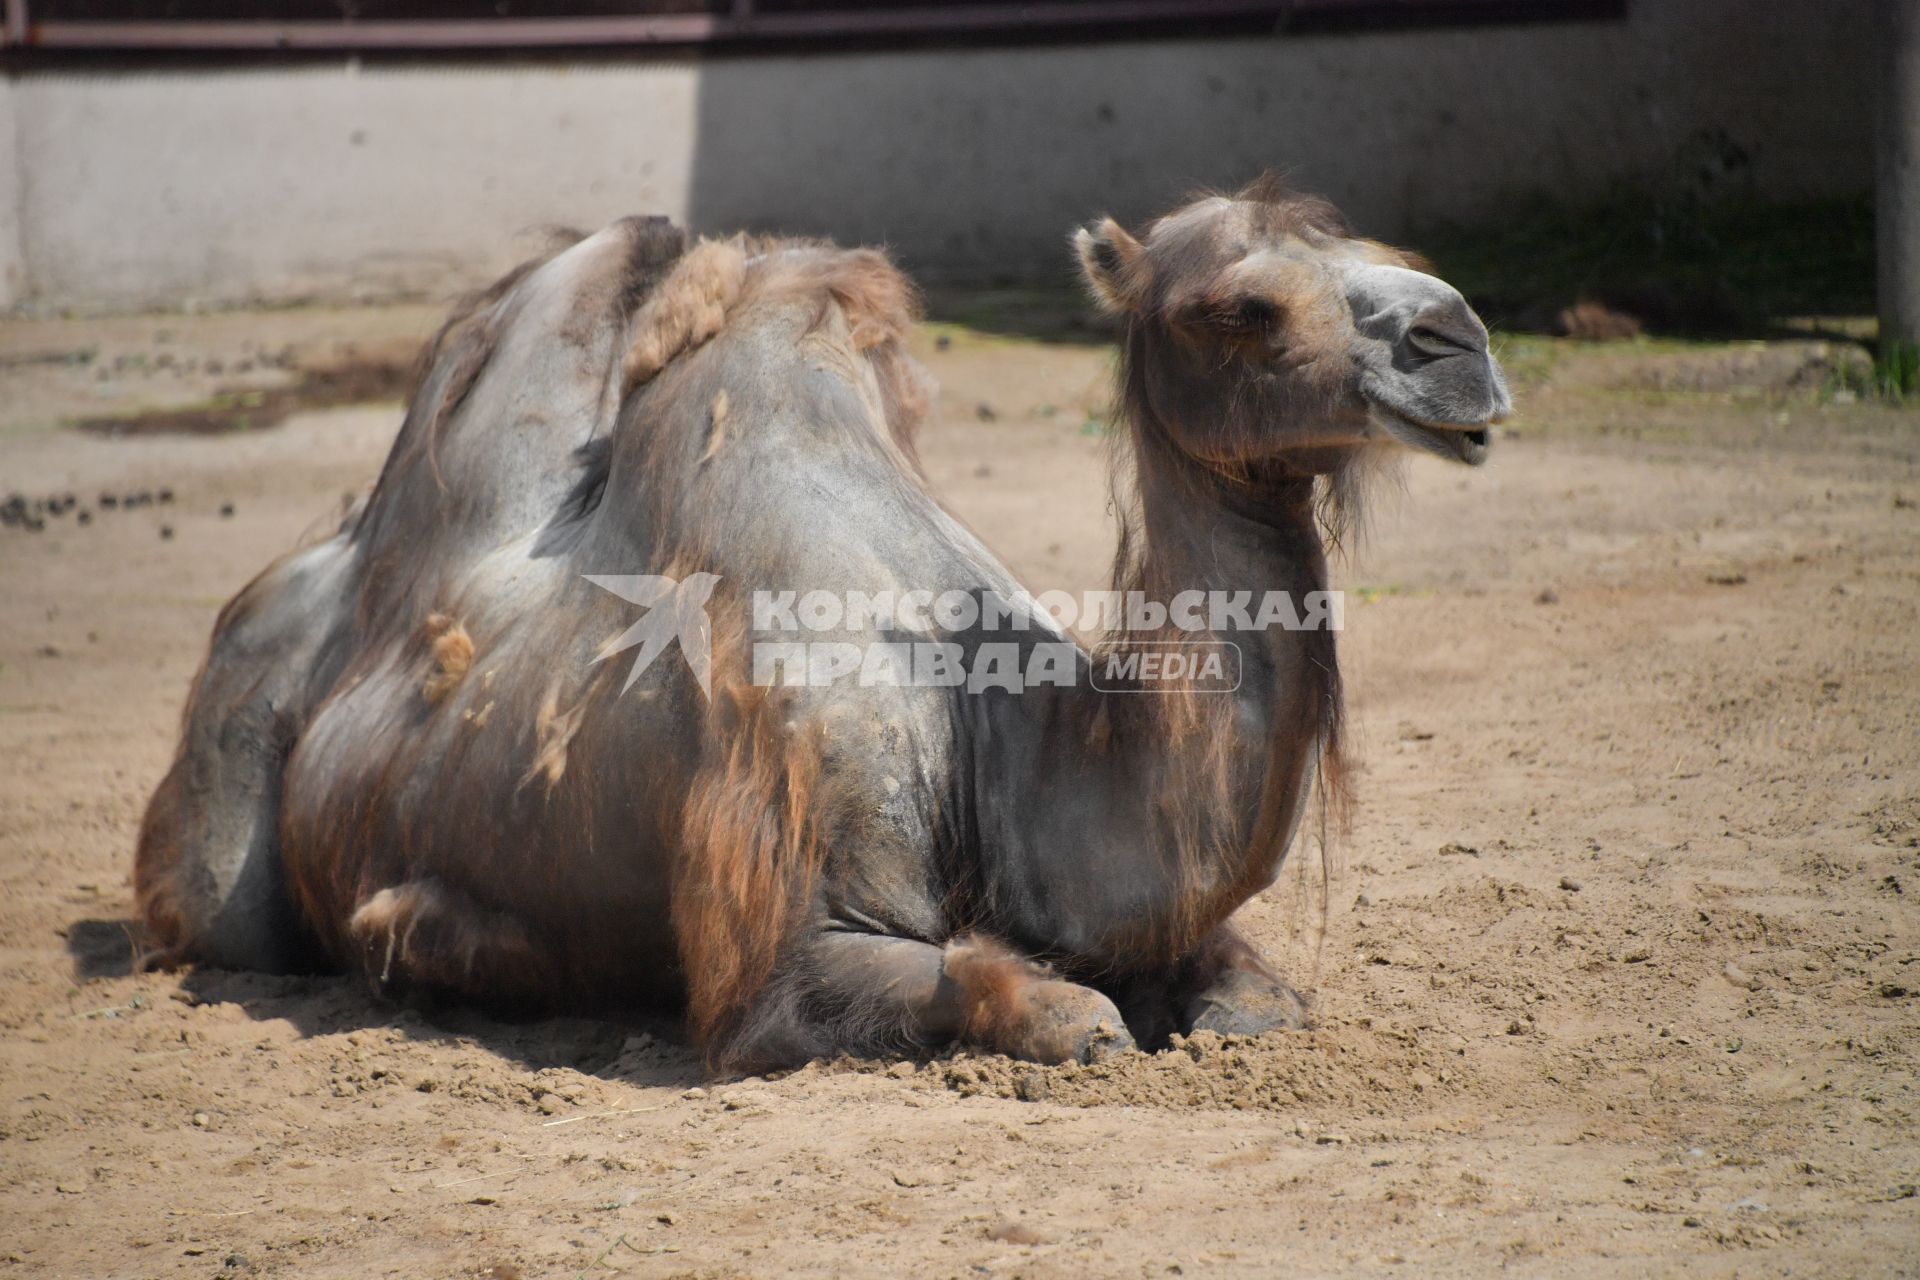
(1249, 317)
(1432, 342)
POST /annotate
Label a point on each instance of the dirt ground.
(1621, 973)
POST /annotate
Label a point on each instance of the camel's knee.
(208, 871)
(1009, 1004)
(208, 882)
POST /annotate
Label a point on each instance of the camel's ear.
(1114, 264)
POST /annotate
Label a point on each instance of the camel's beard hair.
(1208, 769)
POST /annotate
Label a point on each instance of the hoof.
(1106, 1042)
(1070, 1024)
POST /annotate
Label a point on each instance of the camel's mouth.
(1468, 444)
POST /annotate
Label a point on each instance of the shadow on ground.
(332, 1004)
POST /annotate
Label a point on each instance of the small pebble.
(166, 533)
(226, 510)
(1569, 884)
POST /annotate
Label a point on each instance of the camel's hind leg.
(870, 993)
(207, 872)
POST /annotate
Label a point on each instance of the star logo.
(674, 609)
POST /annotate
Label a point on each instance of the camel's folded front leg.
(871, 993)
(1008, 1004)
(1227, 987)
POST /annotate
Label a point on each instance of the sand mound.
(1362, 1068)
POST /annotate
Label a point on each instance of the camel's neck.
(1145, 817)
(1254, 550)
(1196, 530)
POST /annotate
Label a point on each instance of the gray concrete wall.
(13, 265)
(163, 188)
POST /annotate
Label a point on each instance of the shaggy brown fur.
(995, 983)
(688, 308)
(751, 836)
(451, 649)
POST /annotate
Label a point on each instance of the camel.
(417, 750)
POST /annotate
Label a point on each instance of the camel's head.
(1259, 328)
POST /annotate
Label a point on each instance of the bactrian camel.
(406, 757)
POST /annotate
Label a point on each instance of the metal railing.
(742, 22)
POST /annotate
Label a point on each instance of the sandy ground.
(1621, 973)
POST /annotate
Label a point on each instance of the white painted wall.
(164, 187)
